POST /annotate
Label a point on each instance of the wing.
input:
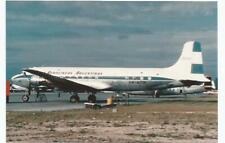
(71, 85)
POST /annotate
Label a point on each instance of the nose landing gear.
(25, 98)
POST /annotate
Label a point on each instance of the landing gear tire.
(74, 98)
(92, 98)
(25, 98)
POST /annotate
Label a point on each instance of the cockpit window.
(21, 76)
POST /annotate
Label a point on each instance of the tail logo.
(197, 69)
(197, 47)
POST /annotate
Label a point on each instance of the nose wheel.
(25, 98)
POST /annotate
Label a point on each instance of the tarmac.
(58, 103)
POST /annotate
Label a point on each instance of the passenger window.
(145, 78)
(137, 78)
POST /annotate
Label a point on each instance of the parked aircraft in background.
(187, 71)
(193, 89)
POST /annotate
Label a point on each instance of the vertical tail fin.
(190, 64)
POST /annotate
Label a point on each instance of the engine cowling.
(38, 81)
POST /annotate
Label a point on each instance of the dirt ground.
(167, 122)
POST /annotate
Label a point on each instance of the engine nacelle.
(38, 81)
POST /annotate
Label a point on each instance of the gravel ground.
(167, 122)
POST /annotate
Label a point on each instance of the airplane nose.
(13, 79)
(20, 80)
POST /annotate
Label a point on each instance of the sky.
(107, 34)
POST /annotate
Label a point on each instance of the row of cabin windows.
(110, 77)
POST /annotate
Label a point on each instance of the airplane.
(193, 89)
(187, 71)
(21, 78)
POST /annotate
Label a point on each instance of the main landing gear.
(74, 98)
(92, 98)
